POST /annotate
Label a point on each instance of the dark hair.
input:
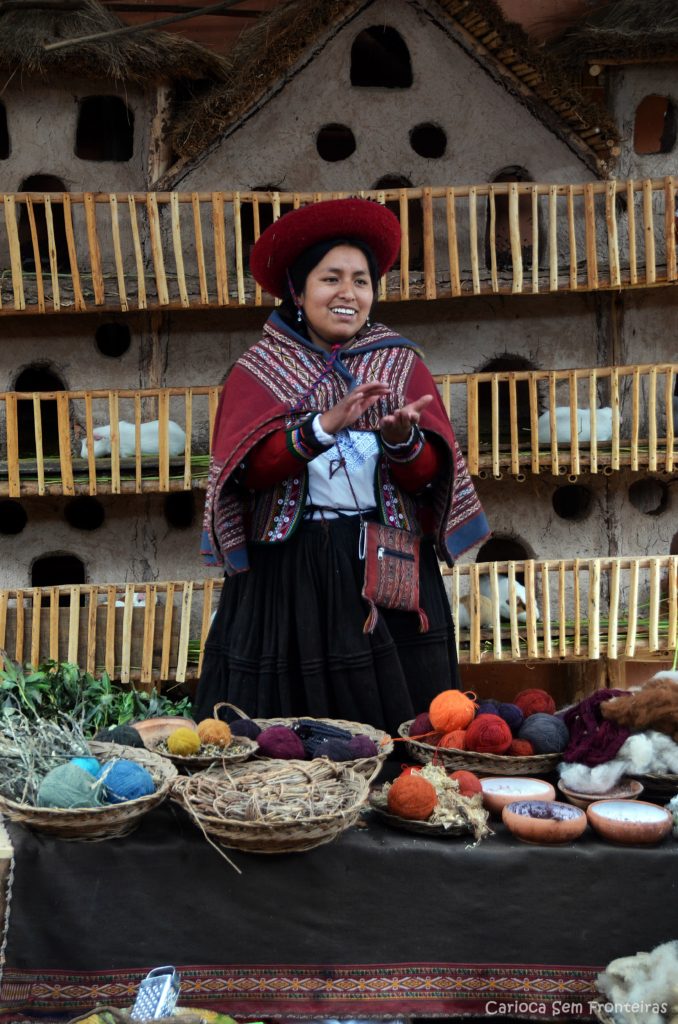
(309, 259)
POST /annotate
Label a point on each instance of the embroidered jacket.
(283, 381)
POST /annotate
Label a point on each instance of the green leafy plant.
(98, 702)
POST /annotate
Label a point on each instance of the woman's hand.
(352, 406)
(396, 428)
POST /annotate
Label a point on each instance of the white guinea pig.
(504, 605)
(148, 436)
(603, 424)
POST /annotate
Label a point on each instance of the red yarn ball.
(488, 734)
(279, 741)
(469, 784)
(451, 710)
(532, 702)
(520, 748)
(412, 797)
(455, 740)
(421, 725)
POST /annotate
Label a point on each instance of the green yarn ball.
(69, 786)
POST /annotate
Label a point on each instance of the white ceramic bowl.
(501, 790)
(630, 821)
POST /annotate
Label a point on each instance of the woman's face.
(337, 296)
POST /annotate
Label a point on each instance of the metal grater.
(158, 994)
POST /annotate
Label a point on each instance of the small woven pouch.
(391, 559)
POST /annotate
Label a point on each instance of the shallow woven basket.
(369, 767)
(95, 823)
(663, 784)
(277, 817)
(245, 748)
(422, 828)
(469, 760)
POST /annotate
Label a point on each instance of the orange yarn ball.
(456, 740)
(451, 710)
(469, 784)
(214, 732)
(412, 797)
(520, 748)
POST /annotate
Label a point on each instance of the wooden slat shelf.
(618, 608)
(122, 252)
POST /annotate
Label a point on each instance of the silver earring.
(368, 322)
(300, 315)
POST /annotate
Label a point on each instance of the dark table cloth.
(379, 922)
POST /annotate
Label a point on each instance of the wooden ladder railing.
(154, 250)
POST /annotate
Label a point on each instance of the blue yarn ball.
(67, 785)
(125, 780)
(487, 707)
(546, 733)
(512, 715)
(88, 764)
(245, 727)
(335, 749)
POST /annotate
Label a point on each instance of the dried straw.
(32, 747)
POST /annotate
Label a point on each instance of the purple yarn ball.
(512, 715)
(546, 733)
(245, 727)
(487, 707)
(421, 725)
(336, 750)
(279, 741)
(362, 746)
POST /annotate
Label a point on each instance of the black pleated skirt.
(288, 637)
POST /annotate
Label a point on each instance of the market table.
(377, 923)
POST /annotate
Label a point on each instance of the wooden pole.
(219, 234)
(535, 238)
(37, 258)
(142, 301)
(652, 420)
(404, 216)
(572, 234)
(78, 297)
(472, 425)
(631, 218)
(94, 251)
(590, 224)
(14, 252)
(52, 255)
(39, 458)
(593, 401)
(178, 249)
(612, 236)
(429, 246)
(473, 239)
(452, 245)
(117, 253)
(614, 401)
(493, 240)
(632, 627)
(553, 238)
(648, 224)
(514, 234)
(239, 264)
(670, 227)
(534, 424)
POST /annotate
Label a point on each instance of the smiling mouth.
(343, 311)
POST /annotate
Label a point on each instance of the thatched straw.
(141, 57)
(622, 29)
(271, 51)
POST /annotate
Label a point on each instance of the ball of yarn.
(512, 715)
(125, 780)
(279, 741)
(183, 742)
(68, 785)
(362, 746)
(534, 702)
(421, 725)
(520, 748)
(245, 727)
(469, 784)
(126, 735)
(488, 734)
(455, 740)
(451, 710)
(412, 797)
(88, 764)
(487, 707)
(335, 749)
(214, 732)
(546, 733)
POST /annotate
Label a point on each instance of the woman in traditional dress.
(327, 422)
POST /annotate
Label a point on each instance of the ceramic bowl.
(501, 790)
(630, 789)
(630, 822)
(544, 821)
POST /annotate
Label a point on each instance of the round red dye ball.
(455, 740)
(451, 710)
(279, 741)
(520, 748)
(412, 797)
(488, 734)
(532, 702)
(469, 784)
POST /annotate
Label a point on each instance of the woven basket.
(95, 823)
(663, 784)
(469, 760)
(270, 806)
(243, 749)
(369, 767)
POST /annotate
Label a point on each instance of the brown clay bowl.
(630, 822)
(627, 790)
(154, 730)
(499, 790)
(543, 821)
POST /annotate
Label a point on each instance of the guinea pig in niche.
(148, 439)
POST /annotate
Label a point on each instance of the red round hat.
(281, 244)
